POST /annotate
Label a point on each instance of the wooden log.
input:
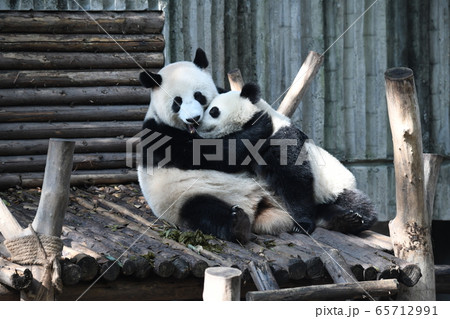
(80, 60)
(110, 270)
(29, 180)
(344, 291)
(411, 228)
(284, 261)
(163, 267)
(262, 276)
(128, 267)
(143, 268)
(236, 80)
(57, 78)
(408, 273)
(55, 188)
(69, 130)
(78, 22)
(431, 165)
(99, 95)
(36, 163)
(81, 42)
(222, 284)
(15, 276)
(70, 273)
(182, 268)
(375, 240)
(295, 265)
(336, 266)
(358, 272)
(73, 114)
(300, 84)
(314, 265)
(88, 264)
(85, 145)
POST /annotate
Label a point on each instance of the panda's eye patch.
(176, 104)
(214, 112)
(200, 98)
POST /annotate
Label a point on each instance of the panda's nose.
(193, 119)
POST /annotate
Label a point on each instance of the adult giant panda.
(228, 206)
(315, 187)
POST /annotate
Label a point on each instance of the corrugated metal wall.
(345, 109)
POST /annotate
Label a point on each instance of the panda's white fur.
(167, 190)
(236, 111)
(340, 204)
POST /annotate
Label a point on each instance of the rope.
(27, 250)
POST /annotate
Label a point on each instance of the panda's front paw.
(241, 224)
(353, 218)
(304, 226)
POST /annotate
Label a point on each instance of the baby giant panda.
(228, 206)
(315, 187)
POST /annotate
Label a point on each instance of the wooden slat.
(75, 96)
(80, 22)
(81, 42)
(38, 79)
(73, 113)
(69, 130)
(36, 163)
(82, 60)
(40, 146)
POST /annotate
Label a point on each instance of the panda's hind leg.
(213, 216)
(352, 212)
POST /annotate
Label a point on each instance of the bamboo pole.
(411, 228)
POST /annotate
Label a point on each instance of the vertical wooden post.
(55, 188)
(222, 284)
(52, 207)
(411, 228)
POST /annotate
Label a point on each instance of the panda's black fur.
(346, 209)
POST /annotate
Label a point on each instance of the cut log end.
(22, 281)
(398, 74)
(410, 275)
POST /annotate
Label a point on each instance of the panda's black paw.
(241, 224)
(353, 218)
(304, 226)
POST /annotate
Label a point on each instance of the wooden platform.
(159, 262)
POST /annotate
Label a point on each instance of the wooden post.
(431, 165)
(301, 82)
(222, 284)
(55, 189)
(411, 228)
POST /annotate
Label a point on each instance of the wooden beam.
(82, 42)
(301, 83)
(411, 228)
(345, 291)
(80, 60)
(15, 276)
(9, 227)
(77, 22)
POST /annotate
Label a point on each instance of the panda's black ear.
(252, 92)
(200, 59)
(149, 79)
